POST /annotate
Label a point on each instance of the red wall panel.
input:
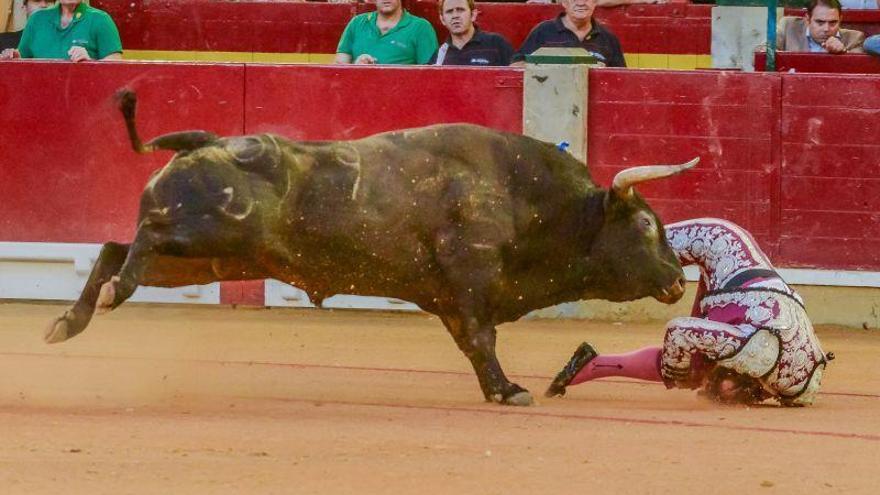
(830, 161)
(728, 119)
(346, 102)
(68, 171)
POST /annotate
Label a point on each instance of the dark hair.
(831, 4)
(470, 3)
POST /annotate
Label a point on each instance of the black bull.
(476, 226)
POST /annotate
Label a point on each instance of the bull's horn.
(625, 179)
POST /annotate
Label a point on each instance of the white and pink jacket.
(745, 317)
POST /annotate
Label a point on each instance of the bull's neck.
(720, 249)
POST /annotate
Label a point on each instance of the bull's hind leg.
(75, 320)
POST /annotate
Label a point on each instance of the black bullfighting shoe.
(583, 355)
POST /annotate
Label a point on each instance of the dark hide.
(476, 226)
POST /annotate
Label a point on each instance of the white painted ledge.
(58, 271)
(283, 295)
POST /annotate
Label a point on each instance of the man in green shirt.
(390, 35)
(70, 30)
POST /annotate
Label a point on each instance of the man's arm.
(426, 44)
(853, 41)
(506, 55)
(107, 37)
(344, 48)
(617, 58)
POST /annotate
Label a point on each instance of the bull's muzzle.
(673, 293)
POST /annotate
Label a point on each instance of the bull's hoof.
(106, 297)
(58, 330)
(523, 398)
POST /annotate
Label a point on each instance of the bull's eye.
(646, 224)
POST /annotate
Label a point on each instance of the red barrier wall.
(296, 27)
(791, 157)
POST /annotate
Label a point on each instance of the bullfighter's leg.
(75, 320)
(688, 341)
(586, 365)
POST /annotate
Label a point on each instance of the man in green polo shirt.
(390, 35)
(72, 31)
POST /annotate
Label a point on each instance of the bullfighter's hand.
(9, 54)
(78, 54)
(833, 45)
(366, 58)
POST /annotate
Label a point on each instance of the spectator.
(575, 28)
(10, 41)
(467, 44)
(70, 30)
(872, 45)
(390, 35)
(749, 337)
(818, 31)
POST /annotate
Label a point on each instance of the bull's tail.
(176, 141)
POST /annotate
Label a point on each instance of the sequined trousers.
(761, 333)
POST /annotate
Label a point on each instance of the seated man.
(9, 41)
(467, 45)
(390, 35)
(749, 338)
(818, 31)
(70, 30)
(575, 27)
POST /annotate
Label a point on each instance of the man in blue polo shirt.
(467, 44)
(575, 28)
(390, 35)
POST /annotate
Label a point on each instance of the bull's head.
(630, 252)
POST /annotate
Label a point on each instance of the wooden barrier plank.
(831, 193)
(849, 63)
(831, 160)
(729, 153)
(832, 224)
(829, 253)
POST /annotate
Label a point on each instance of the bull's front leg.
(75, 320)
(477, 342)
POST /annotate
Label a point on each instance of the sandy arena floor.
(172, 400)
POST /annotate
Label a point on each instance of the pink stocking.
(643, 364)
